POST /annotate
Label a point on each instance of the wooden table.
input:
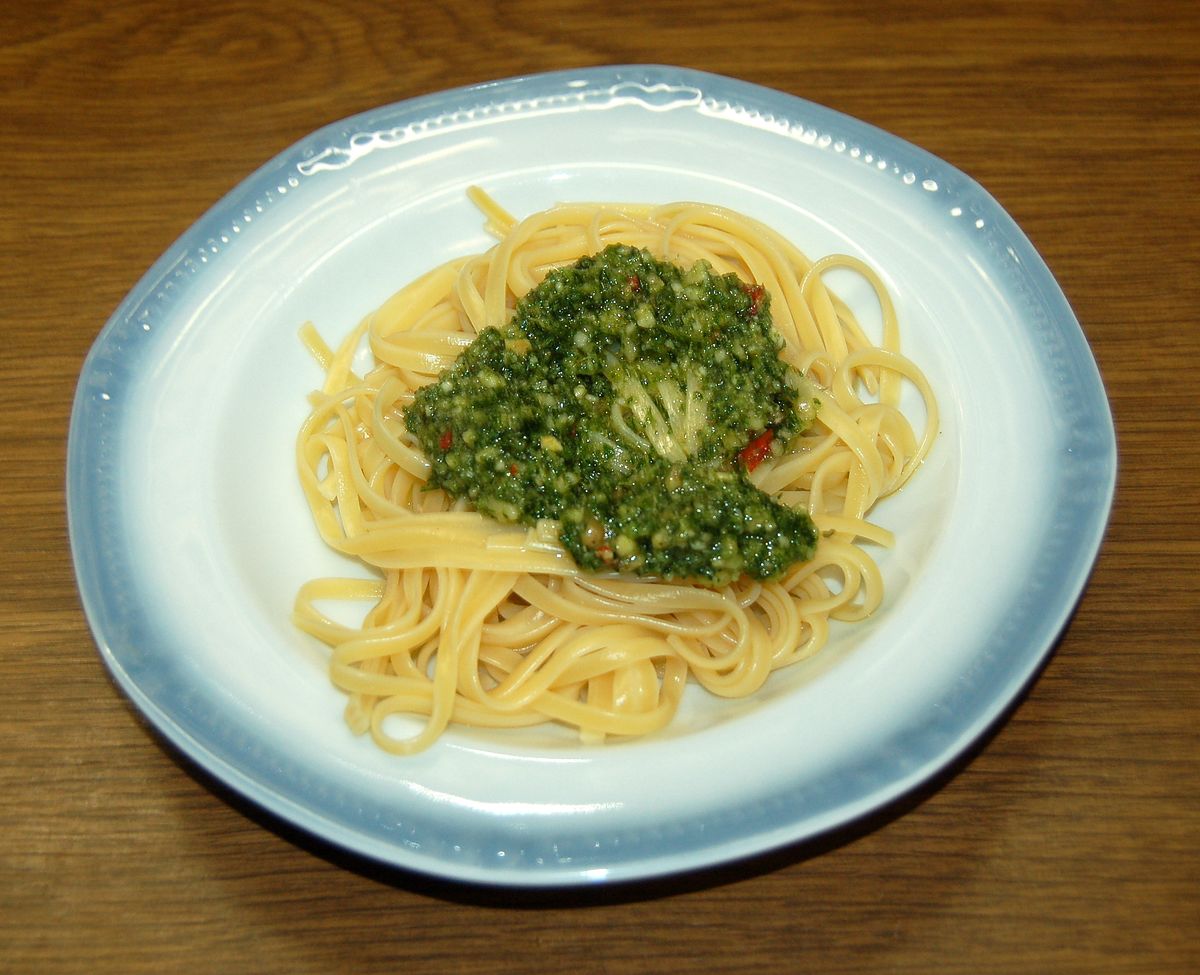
(1069, 841)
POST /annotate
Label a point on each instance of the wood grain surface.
(1067, 841)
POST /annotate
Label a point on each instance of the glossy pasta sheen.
(483, 624)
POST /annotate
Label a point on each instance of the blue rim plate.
(190, 535)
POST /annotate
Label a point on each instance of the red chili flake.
(605, 552)
(446, 439)
(757, 450)
(635, 283)
(512, 469)
(755, 292)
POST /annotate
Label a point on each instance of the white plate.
(190, 535)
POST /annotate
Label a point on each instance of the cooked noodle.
(477, 623)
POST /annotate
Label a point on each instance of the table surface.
(1068, 841)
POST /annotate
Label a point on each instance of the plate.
(190, 535)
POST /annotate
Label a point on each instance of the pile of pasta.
(472, 622)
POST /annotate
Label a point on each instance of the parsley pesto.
(627, 399)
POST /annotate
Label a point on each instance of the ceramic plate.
(190, 534)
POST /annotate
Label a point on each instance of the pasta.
(478, 623)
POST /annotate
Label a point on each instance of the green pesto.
(620, 400)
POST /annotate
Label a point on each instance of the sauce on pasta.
(627, 401)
